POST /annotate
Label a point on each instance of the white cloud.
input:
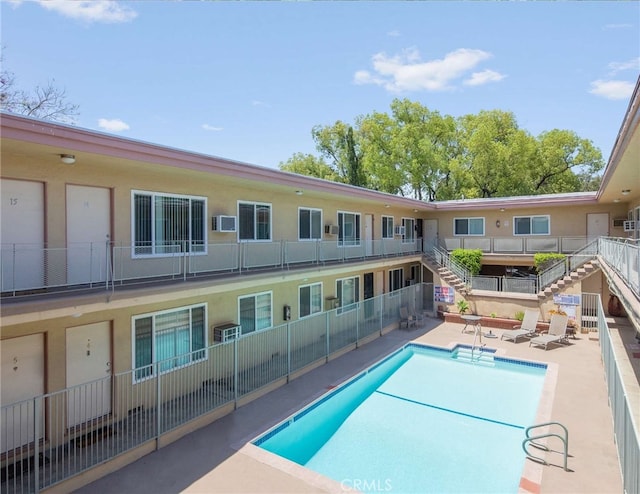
(618, 26)
(256, 102)
(484, 77)
(212, 128)
(406, 72)
(394, 33)
(113, 125)
(633, 64)
(107, 11)
(612, 89)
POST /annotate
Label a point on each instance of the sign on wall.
(443, 294)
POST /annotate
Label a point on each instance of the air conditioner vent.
(618, 222)
(399, 230)
(629, 226)
(224, 223)
(332, 229)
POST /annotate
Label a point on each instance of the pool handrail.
(530, 439)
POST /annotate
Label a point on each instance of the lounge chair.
(406, 319)
(557, 332)
(526, 330)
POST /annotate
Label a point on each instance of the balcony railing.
(26, 267)
(517, 245)
(49, 438)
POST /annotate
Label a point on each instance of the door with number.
(21, 379)
(88, 228)
(88, 372)
(22, 215)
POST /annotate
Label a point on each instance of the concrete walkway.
(215, 459)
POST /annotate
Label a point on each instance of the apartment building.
(134, 275)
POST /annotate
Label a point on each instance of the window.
(310, 298)
(349, 224)
(409, 230)
(170, 338)
(531, 225)
(255, 312)
(165, 224)
(396, 279)
(254, 221)
(468, 226)
(309, 224)
(348, 292)
(387, 227)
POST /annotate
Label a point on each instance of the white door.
(88, 372)
(88, 226)
(368, 234)
(22, 378)
(430, 233)
(597, 225)
(22, 234)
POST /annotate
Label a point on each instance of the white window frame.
(389, 229)
(190, 357)
(358, 226)
(339, 293)
(392, 279)
(311, 213)
(409, 235)
(140, 252)
(255, 223)
(468, 219)
(255, 316)
(531, 217)
(313, 310)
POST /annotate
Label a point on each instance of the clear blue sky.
(248, 81)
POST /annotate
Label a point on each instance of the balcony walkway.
(211, 460)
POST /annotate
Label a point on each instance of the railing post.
(288, 350)
(235, 374)
(327, 336)
(358, 322)
(158, 406)
(37, 412)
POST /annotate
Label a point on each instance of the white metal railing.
(52, 437)
(623, 256)
(26, 268)
(567, 265)
(623, 404)
(517, 245)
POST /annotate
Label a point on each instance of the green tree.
(341, 145)
(312, 166)
(566, 163)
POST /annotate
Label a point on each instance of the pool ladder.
(532, 439)
(479, 347)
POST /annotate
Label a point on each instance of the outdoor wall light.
(497, 223)
(502, 210)
(387, 206)
(625, 192)
(68, 159)
(299, 192)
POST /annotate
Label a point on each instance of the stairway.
(477, 357)
(446, 275)
(580, 273)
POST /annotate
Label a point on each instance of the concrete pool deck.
(215, 459)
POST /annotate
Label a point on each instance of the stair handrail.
(531, 439)
(442, 258)
(570, 263)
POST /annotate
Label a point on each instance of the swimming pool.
(424, 419)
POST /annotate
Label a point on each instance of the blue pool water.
(421, 420)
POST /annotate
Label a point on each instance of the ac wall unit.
(226, 332)
(331, 229)
(224, 223)
(629, 226)
(618, 222)
(399, 230)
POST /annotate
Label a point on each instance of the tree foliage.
(417, 152)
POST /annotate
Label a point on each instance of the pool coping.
(531, 477)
